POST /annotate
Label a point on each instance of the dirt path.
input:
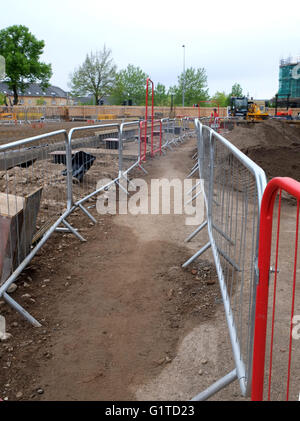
(121, 319)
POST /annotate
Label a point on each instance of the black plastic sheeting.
(81, 163)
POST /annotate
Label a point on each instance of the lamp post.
(183, 85)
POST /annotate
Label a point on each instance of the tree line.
(99, 77)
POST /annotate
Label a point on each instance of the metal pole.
(183, 86)
(217, 386)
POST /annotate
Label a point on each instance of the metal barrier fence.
(30, 114)
(45, 178)
(168, 133)
(276, 359)
(35, 199)
(221, 125)
(233, 187)
(156, 138)
(102, 162)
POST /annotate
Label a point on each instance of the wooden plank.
(9, 231)
(10, 204)
(31, 210)
(17, 226)
(112, 143)
(59, 157)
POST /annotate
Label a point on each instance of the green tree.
(95, 76)
(221, 98)
(130, 85)
(22, 52)
(194, 82)
(236, 90)
(161, 97)
(2, 101)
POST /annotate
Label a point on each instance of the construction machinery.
(238, 106)
(4, 115)
(248, 109)
(285, 115)
(255, 113)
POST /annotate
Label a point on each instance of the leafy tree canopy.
(130, 85)
(236, 90)
(194, 82)
(221, 98)
(161, 97)
(22, 52)
(95, 76)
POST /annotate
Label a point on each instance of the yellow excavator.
(6, 111)
(242, 107)
(8, 116)
(254, 113)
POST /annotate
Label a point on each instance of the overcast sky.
(235, 41)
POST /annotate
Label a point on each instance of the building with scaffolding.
(289, 82)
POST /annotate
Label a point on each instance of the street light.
(183, 87)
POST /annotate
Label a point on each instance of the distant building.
(289, 82)
(262, 103)
(34, 95)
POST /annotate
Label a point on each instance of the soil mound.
(273, 145)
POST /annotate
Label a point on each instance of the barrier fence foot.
(128, 181)
(142, 168)
(121, 187)
(84, 210)
(190, 237)
(194, 166)
(20, 310)
(193, 171)
(71, 229)
(217, 386)
(194, 197)
(204, 248)
(195, 186)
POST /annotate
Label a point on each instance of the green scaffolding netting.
(288, 84)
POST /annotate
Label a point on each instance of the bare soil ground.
(10, 133)
(113, 309)
(273, 145)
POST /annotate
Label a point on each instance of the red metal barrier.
(208, 102)
(260, 380)
(156, 135)
(152, 113)
(143, 141)
(155, 139)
